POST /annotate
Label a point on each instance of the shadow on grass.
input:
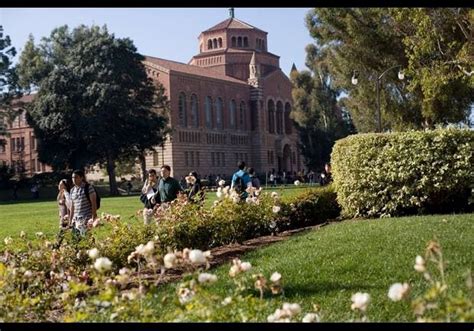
(325, 288)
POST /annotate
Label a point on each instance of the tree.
(438, 44)
(95, 103)
(316, 113)
(370, 40)
(8, 83)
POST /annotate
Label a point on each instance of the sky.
(169, 33)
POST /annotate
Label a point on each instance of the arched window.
(239, 41)
(257, 43)
(271, 116)
(232, 117)
(182, 109)
(263, 45)
(279, 117)
(288, 124)
(242, 117)
(246, 42)
(214, 43)
(194, 111)
(208, 112)
(234, 43)
(219, 106)
(219, 42)
(209, 44)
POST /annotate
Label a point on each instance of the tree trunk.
(141, 157)
(111, 172)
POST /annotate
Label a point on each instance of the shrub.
(404, 173)
(310, 208)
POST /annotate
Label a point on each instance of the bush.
(404, 173)
(310, 208)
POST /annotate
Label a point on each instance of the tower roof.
(232, 23)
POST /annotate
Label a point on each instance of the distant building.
(20, 151)
(231, 102)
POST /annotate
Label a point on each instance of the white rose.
(226, 301)
(297, 182)
(93, 253)
(310, 318)
(245, 266)
(196, 256)
(275, 277)
(221, 182)
(207, 278)
(8, 240)
(360, 301)
(102, 264)
(170, 260)
(234, 270)
(276, 209)
(149, 248)
(420, 264)
(274, 194)
(398, 291)
(28, 274)
(293, 308)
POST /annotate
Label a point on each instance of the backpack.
(239, 185)
(97, 197)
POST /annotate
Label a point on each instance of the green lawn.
(328, 265)
(34, 216)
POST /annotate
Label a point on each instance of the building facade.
(231, 102)
(20, 152)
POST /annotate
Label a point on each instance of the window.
(33, 165)
(219, 106)
(246, 42)
(156, 159)
(234, 43)
(208, 112)
(191, 158)
(223, 159)
(198, 159)
(214, 43)
(219, 41)
(182, 110)
(186, 159)
(22, 143)
(242, 116)
(218, 157)
(194, 111)
(279, 117)
(213, 161)
(239, 41)
(232, 117)
(12, 143)
(288, 124)
(271, 116)
(18, 144)
(209, 44)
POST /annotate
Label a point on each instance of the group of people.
(78, 200)
(161, 191)
(283, 177)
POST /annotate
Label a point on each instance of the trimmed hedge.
(404, 173)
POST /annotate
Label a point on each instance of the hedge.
(394, 174)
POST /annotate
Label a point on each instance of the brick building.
(231, 102)
(19, 152)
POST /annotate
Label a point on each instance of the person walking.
(84, 204)
(195, 192)
(64, 203)
(168, 187)
(254, 179)
(241, 181)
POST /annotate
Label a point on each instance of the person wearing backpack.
(85, 202)
(241, 181)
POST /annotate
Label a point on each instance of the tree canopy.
(8, 82)
(432, 45)
(95, 102)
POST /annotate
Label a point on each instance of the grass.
(328, 265)
(42, 215)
